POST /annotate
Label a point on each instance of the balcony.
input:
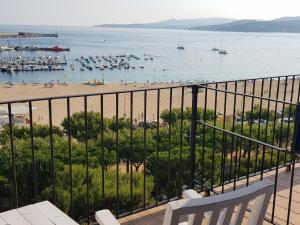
(132, 151)
(156, 215)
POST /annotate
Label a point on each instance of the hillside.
(286, 25)
(173, 23)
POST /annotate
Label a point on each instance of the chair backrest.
(220, 209)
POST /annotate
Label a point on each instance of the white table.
(43, 213)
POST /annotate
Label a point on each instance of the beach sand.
(59, 106)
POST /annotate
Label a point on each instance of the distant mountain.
(288, 18)
(173, 23)
(285, 24)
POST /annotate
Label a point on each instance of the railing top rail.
(252, 79)
(256, 78)
(244, 137)
(246, 95)
(138, 90)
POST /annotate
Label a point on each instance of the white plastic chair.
(218, 210)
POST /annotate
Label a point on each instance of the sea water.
(249, 54)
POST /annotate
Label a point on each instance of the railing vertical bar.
(250, 133)
(145, 148)
(87, 159)
(293, 88)
(232, 140)
(169, 141)
(266, 131)
(224, 138)
(118, 154)
(214, 140)
(70, 157)
(193, 132)
(13, 156)
(102, 147)
(157, 145)
(203, 139)
(52, 151)
(274, 122)
(32, 152)
(181, 140)
(282, 117)
(259, 122)
(131, 151)
(242, 128)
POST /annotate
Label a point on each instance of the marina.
(49, 63)
(43, 63)
(111, 62)
(33, 48)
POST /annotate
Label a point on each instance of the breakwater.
(27, 35)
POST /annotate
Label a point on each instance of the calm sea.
(250, 54)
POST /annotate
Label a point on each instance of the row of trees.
(126, 169)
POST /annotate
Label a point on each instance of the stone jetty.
(26, 35)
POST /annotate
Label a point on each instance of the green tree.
(78, 124)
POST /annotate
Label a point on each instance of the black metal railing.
(136, 149)
(251, 148)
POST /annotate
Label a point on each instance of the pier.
(33, 48)
(26, 35)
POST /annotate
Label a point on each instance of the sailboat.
(180, 46)
(222, 51)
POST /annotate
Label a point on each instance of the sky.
(93, 12)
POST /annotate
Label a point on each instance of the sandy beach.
(59, 106)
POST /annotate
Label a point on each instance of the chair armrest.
(188, 194)
(105, 217)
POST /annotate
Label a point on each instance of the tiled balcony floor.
(155, 216)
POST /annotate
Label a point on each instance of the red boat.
(57, 49)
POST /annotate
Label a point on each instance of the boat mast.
(222, 44)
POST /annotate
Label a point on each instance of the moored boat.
(223, 52)
(56, 49)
